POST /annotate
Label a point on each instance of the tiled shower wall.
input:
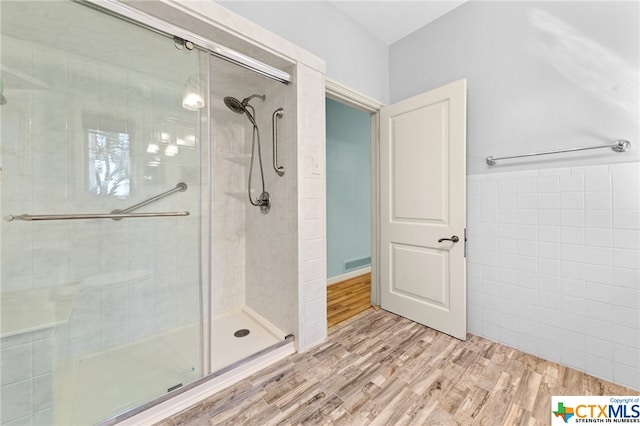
(310, 297)
(253, 254)
(135, 277)
(229, 174)
(273, 263)
(271, 270)
(554, 265)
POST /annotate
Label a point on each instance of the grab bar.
(618, 146)
(276, 115)
(116, 214)
(35, 217)
(180, 187)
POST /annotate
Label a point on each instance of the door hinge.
(465, 242)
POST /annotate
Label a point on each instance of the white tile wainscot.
(27, 379)
(554, 265)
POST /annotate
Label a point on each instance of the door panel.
(411, 264)
(419, 155)
(422, 174)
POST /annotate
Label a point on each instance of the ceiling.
(392, 20)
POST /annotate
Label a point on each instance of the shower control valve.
(264, 201)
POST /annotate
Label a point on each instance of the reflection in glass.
(192, 99)
(109, 155)
(110, 310)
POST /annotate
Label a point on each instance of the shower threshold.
(197, 391)
(240, 358)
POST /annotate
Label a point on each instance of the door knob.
(455, 239)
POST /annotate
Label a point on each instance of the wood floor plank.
(317, 413)
(527, 389)
(396, 411)
(241, 413)
(348, 298)
(470, 407)
(377, 368)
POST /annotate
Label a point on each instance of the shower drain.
(242, 332)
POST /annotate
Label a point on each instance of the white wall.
(354, 56)
(541, 75)
(553, 247)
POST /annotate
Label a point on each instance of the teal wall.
(348, 186)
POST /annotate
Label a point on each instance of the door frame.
(343, 94)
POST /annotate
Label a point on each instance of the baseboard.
(348, 275)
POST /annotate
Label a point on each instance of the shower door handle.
(454, 239)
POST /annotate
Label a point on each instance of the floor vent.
(350, 265)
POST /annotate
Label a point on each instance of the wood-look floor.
(348, 298)
(379, 368)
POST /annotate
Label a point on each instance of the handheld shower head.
(235, 105)
(245, 108)
(241, 107)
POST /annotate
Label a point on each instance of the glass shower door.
(99, 314)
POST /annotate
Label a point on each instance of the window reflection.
(109, 155)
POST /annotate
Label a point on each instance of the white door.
(422, 184)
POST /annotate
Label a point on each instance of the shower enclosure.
(132, 263)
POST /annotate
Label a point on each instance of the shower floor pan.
(107, 383)
(227, 349)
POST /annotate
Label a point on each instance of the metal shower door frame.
(191, 39)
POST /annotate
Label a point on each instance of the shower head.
(234, 105)
(241, 107)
